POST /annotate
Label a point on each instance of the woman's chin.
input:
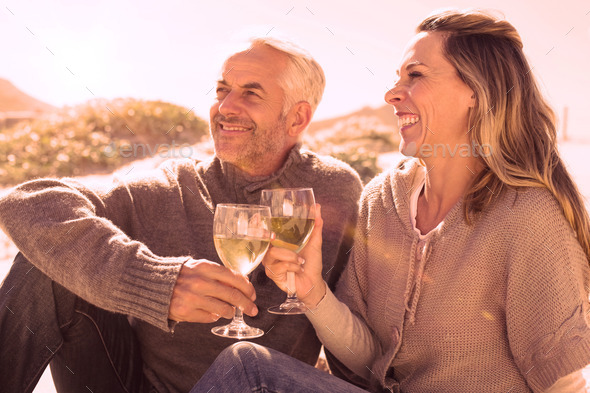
(408, 149)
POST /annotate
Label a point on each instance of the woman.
(470, 265)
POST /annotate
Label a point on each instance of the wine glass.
(241, 234)
(293, 219)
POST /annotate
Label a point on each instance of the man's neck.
(265, 167)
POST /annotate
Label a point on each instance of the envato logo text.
(142, 150)
(445, 150)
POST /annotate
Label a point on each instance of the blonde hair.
(510, 115)
(303, 79)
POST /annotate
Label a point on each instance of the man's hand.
(206, 291)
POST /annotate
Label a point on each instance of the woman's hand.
(307, 266)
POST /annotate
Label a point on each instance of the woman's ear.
(473, 101)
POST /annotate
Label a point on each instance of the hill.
(14, 100)
(382, 116)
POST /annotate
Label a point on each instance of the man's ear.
(299, 118)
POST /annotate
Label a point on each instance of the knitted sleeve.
(547, 292)
(352, 288)
(74, 235)
(341, 325)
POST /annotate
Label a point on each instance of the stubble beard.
(253, 152)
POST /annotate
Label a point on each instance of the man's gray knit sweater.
(121, 249)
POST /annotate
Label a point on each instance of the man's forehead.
(255, 65)
(259, 52)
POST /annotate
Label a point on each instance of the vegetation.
(358, 142)
(98, 136)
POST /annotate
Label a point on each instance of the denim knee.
(245, 350)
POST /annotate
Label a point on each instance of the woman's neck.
(446, 182)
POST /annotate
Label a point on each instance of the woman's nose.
(395, 94)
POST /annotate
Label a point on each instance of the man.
(143, 250)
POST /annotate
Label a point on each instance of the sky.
(67, 52)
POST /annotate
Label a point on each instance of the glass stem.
(238, 316)
(291, 290)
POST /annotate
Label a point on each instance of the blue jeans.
(42, 323)
(246, 367)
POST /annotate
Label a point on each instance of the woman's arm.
(344, 334)
(547, 292)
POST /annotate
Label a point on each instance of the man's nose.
(230, 105)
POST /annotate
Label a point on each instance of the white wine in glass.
(293, 219)
(241, 234)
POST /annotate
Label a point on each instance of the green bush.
(359, 158)
(362, 161)
(98, 136)
(358, 142)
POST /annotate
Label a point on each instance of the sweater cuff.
(323, 297)
(566, 363)
(325, 310)
(147, 288)
(574, 383)
(565, 352)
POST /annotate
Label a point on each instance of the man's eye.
(414, 74)
(250, 93)
(221, 93)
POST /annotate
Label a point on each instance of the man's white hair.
(303, 79)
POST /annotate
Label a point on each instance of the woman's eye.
(414, 74)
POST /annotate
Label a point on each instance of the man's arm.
(64, 229)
